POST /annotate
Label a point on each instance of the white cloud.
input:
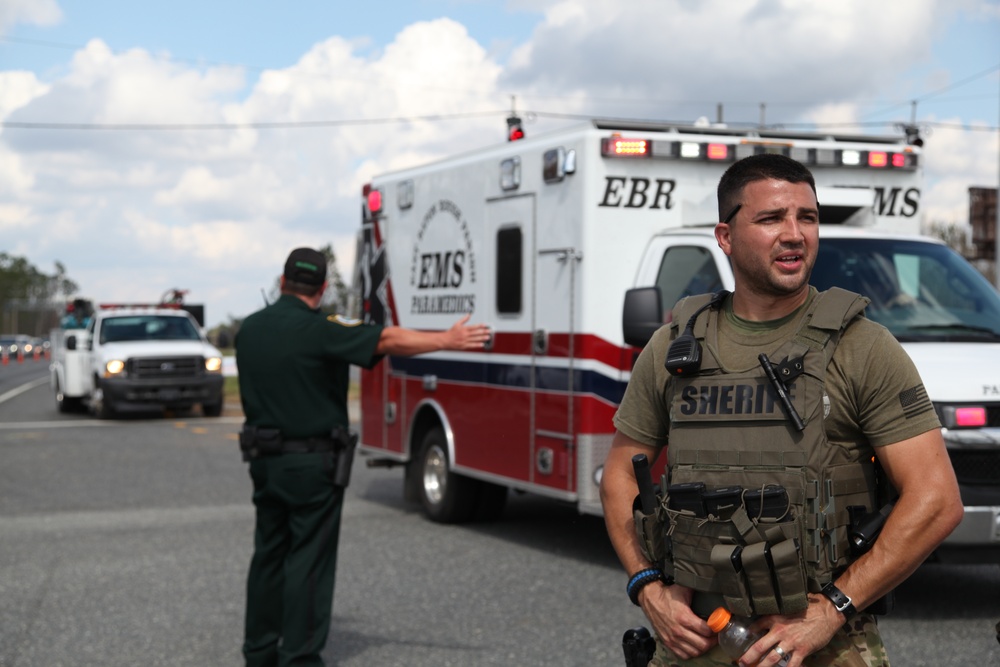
(216, 211)
(37, 12)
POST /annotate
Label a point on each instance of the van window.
(920, 291)
(509, 270)
(686, 270)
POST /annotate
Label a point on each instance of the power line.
(555, 115)
(925, 96)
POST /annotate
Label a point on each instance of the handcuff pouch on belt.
(256, 441)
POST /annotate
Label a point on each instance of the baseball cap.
(307, 266)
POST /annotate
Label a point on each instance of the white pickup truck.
(943, 312)
(136, 359)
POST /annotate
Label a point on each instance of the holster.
(345, 443)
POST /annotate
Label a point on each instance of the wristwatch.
(840, 601)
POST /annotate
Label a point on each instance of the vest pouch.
(727, 559)
(757, 564)
(790, 577)
(692, 540)
(652, 532)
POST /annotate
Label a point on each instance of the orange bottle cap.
(719, 618)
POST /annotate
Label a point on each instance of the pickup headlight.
(213, 364)
(113, 368)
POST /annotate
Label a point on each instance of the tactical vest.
(729, 432)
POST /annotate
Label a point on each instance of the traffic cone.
(36, 354)
(20, 356)
(6, 359)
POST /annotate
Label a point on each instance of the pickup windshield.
(147, 327)
(920, 291)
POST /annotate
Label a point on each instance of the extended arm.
(408, 342)
(668, 608)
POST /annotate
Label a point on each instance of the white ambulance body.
(541, 239)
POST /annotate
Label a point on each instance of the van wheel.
(445, 496)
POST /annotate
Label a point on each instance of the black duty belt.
(308, 445)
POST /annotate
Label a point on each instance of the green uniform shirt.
(294, 367)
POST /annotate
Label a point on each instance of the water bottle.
(735, 636)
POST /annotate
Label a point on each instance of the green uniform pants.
(291, 579)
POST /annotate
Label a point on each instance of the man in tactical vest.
(776, 441)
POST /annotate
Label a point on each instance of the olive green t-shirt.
(293, 364)
(876, 394)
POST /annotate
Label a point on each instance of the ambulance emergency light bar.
(622, 147)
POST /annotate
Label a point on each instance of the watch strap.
(841, 602)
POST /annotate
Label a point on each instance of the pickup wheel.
(101, 406)
(445, 496)
(212, 409)
(64, 403)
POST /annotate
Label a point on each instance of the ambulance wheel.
(445, 496)
(492, 501)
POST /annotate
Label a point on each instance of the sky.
(190, 145)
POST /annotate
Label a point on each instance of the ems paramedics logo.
(443, 260)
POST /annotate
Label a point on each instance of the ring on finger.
(780, 651)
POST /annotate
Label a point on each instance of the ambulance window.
(509, 267)
(686, 270)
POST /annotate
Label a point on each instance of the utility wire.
(926, 96)
(292, 125)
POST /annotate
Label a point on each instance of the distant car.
(14, 344)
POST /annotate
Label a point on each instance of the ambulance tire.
(445, 496)
(492, 501)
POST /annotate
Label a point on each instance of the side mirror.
(70, 342)
(642, 315)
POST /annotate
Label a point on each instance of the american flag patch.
(914, 401)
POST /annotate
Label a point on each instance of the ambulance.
(573, 246)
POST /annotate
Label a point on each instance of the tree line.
(31, 299)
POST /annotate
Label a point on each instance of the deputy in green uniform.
(293, 372)
(860, 398)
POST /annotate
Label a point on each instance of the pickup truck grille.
(165, 367)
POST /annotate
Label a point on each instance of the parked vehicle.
(136, 358)
(542, 238)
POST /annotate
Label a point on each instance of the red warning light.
(374, 201)
(514, 129)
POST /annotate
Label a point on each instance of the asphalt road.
(126, 543)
